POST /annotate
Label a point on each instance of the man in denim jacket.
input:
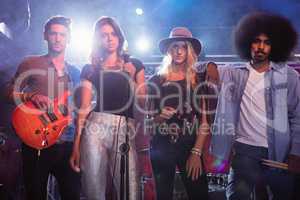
(258, 112)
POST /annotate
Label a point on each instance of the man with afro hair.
(258, 113)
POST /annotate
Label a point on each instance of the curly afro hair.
(281, 32)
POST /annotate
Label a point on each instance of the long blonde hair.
(167, 65)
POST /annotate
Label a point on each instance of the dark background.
(210, 20)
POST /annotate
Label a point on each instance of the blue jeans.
(247, 171)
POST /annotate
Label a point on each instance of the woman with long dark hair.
(113, 79)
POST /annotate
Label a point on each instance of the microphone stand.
(124, 169)
(124, 149)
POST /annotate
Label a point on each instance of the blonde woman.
(181, 126)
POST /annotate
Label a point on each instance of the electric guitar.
(40, 129)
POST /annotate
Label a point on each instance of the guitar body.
(41, 129)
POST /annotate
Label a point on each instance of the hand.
(40, 101)
(75, 158)
(212, 73)
(165, 114)
(194, 167)
(130, 68)
(294, 163)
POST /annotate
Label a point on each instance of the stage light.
(4, 30)
(81, 41)
(2, 27)
(139, 11)
(143, 44)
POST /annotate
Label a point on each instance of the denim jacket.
(282, 96)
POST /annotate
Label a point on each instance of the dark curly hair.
(281, 32)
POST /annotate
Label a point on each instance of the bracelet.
(196, 153)
(197, 149)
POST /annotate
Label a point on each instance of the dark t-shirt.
(175, 94)
(186, 102)
(112, 89)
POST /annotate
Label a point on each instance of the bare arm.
(194, 166)
(85, 107)
(203, 132)
(140, 88)
(212, 73)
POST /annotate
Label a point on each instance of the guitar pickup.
(43, 120)
(51, 114)
(63, 109)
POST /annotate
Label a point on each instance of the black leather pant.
(165, 156)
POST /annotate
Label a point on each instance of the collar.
(49, 61)
(273, 66)
(278, 66)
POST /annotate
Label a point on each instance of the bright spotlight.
(143, 44)
(2, 29)
(81, 41)
(139, 11)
